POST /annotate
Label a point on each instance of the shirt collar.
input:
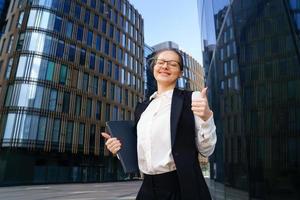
(168, 93)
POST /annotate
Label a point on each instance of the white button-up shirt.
(154, 136)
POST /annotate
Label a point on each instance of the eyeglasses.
(170, 63)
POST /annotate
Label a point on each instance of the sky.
(171, 20)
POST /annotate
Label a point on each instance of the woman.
(171, 130)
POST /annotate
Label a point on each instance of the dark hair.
(155, 55)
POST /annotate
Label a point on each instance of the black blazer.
(184, 149)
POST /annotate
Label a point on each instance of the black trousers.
(160, 187)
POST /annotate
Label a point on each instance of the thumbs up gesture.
(200, 105)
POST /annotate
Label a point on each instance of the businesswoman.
(171, 131)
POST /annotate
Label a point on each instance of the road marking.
(36, 188)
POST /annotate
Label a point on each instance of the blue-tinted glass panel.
(104, 88)
(88, 108)
(116, 72)
(81, 133)
(98, 42)
(90, 38)
(52, 99)
(85, 82)
(92, 61)
(72, 50)
(101, 65)
(56, 131)
(98, 110)
(66, 102)
(78, 105)
(104, 22)
(106, 47)
(63, 74)
(109, 68)
(60, 49)
(50, 71)
(67, 4)
(96, 21)
(42, 129)
(77, 11)
(69, 29)
(87, 17)
(82, 57)
(79, 33)
(57, 24)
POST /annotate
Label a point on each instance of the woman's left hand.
(200, 105)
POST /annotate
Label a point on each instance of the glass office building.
(254, 75)
(3, 10)
(193, 73)
(66, 68)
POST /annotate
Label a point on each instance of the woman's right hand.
(112, 143)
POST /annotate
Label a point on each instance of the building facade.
(67, 67)
(254, 74)
(3, 11)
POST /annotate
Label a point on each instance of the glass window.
(87, 17)
(77, 11)
(81, 133)
(115, 113)
(52, 99)
(72, 50)
(114, 51)
(63, 74)
(104, 22)
(78, 105)
(112, 91)
(90, 38)
(82, 57)
(20, 20)
(67, 4)
(98, 42)
(104, 87)
(26, 120)
(109, 68)
(101, 6)
(38, 97)
(126, 97)
(88, 108)
(42, 129)
(123, 74)
(9, 127)
(98, 110)
(101, 65)
(56, 130)
(106, 47)
(69, 133)
(107, 112)
(85, 81)
(60, 49)
(111, 31)
(116, 72)
(96, 21)
(33, 127)
(69, 29)
(50, 71)
(95, 85)
(8, 68)
(57, 24)
(79, 33)
(92, 61)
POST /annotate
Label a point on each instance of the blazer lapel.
(176, 107)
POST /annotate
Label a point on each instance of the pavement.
(101, 191)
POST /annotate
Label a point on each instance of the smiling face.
(166, 69)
